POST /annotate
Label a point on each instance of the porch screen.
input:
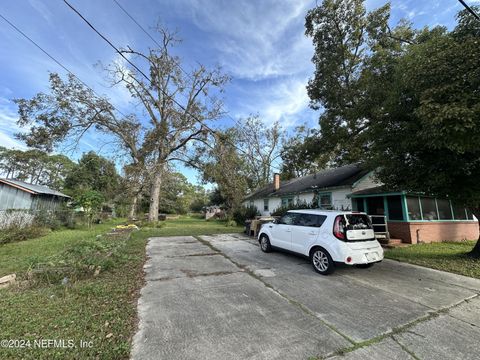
(444, 209)
(413, 208)
(429, 209)
(395, 210)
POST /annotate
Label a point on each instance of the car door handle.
(312, 233)
(288, 230)
(270, 226)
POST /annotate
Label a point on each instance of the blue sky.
(259, 43)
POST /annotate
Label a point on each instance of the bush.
(244, 213)
(15, 233)
(231, 223)
(282, 210)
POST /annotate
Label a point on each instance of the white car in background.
(325, 237)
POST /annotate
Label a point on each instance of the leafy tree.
(70, 109)
(94, 172)
(402, 100)
(35, 166)
(260, 148)
(223, 165)
(299, 154)
(91, 201)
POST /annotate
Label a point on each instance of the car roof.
(322, 212)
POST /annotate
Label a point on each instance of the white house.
(329, 189)
(412, 217)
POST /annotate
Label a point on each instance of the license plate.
(371, 256)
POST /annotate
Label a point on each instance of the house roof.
(343, 176)
(32, 188)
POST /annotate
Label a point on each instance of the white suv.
(326, 237)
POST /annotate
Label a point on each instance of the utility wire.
(144, 75)
(469, 9)
(179, 65)
(54, 59)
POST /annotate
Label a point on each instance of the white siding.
(367, 182)
(340, 201)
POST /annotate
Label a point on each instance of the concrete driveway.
(220, 297)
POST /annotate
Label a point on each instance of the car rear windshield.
(358, 222)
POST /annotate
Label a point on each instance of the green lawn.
(98, 309)
(446, 256)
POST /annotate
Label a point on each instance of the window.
(413, 208)
(311, 220)
(325, 201)
(459, 212)
(429, 209)
(358, 222)
(288, 219)
(287, 201)
(444, 209)
(265, 204)
(395, 209)
(250, 203)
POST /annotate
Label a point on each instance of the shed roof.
(32, 188)
(342, 176)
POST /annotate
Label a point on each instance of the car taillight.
(338, 228)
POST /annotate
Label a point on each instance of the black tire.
(265, 243)
(322, 261)
(364, 266)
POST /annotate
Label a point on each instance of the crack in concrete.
(190, 255)
(356, 345)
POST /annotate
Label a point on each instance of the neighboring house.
(411, 217)
(19, 195)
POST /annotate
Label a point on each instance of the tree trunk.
(133, 207)
(475, 253)
(155, 195)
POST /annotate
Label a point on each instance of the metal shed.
(19, 195)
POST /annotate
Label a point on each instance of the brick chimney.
(276, 181)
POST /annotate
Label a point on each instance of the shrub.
(245, 213)
(231, 223)
(280, 211)
(16, 233)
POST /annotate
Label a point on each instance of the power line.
(54, 59)
(179, 65)
(143, 74)
(469, 9)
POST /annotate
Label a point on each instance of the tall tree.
(223, 165)
(260, 148)
(408, 104)
(70, 109)
(35, 166)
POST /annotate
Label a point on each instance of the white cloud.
(256, 40)
(285, 101)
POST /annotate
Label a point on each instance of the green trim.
(405, 207)
(429, 221)
(319, 194)
(376, 195)
(365, 205)
(421, 209)
(385, 208)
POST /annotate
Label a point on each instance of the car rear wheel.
(322, 261)
(265, 243)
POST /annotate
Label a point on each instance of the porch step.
(392, 243)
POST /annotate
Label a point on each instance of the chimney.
(276, 181)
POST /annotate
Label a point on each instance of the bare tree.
(176, 107)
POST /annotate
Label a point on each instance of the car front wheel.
(265, 244)
(322, 261)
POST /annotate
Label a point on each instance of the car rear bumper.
(371, 252)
